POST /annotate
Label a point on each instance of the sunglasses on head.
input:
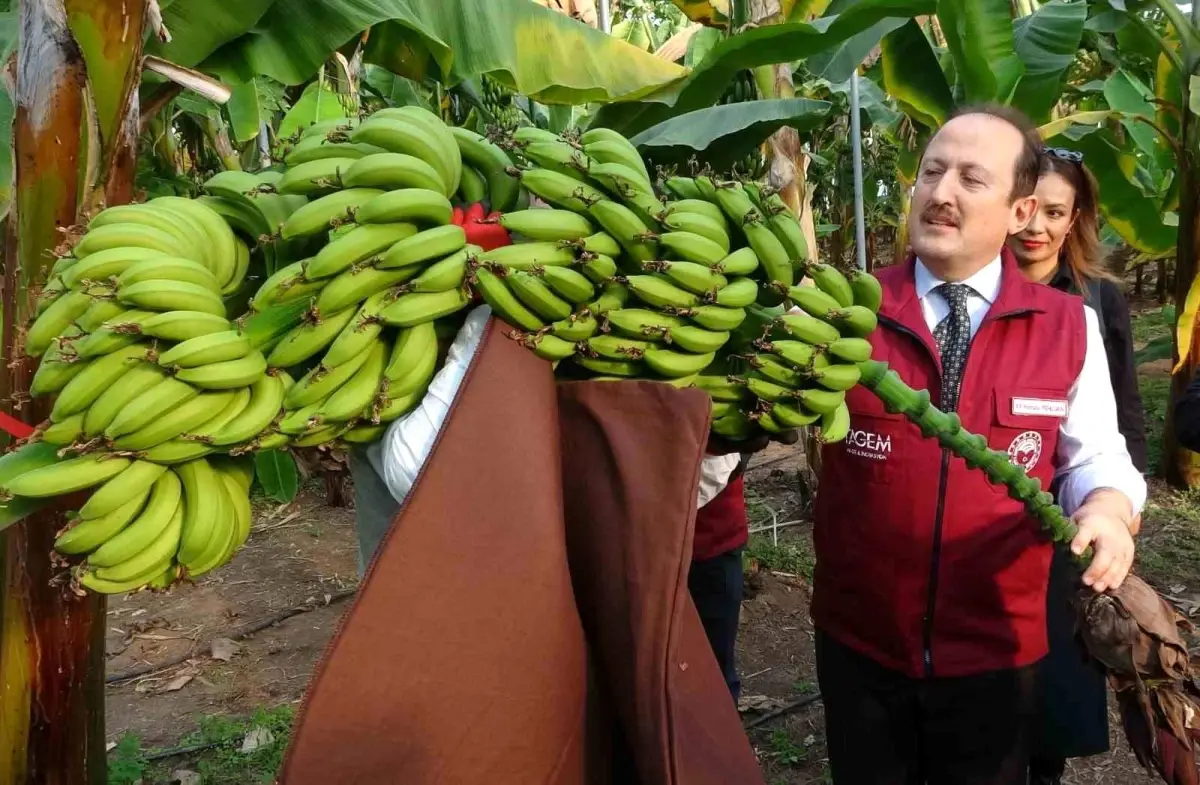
(1065, 155)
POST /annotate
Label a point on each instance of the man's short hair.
(1029, 163)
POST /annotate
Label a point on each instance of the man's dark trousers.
(886, 728)
(716, 586)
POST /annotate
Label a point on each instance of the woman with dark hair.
(1061, 248)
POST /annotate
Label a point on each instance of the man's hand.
(1104, 523)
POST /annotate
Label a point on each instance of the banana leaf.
(394, 90)
(714, 13)
(872, 101)
(530, 49)
(1139, 221)
(979, 35)
(1046, 42)
(839, 62)
(200, 27)
(277, 474)
(913, 76)
(722, 135)
(318, 102)
(1125, 93)
(751, 48)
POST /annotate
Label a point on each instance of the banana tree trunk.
(1181, 467)
(77, 70)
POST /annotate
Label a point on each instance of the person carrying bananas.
(929, 596)
(375, 498)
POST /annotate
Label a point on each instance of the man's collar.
(985, 282)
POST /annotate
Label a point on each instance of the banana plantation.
(250, 244)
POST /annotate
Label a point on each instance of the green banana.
(98, 313)
(598, 269)
(612, 347)
(856, 320)
(211, 348)
(139, 476)
(740, 293)
(126, 235)
(715, 317)
(626, 227)
(444, 274)
(358, 244)
(319, 215)
(320, 382)
(151, 559)
(163, 503)
(578, 327)
(536, 295)
(112, 401)
(157, 400)
(361, 331)
(694, 277)
(414, 205)
(314, 178)
(672, 364)
(165, 268)
(741, 262)
(609, 367)
(820, 401)
(773, 370)
(437, 131)
(601, 243)
(226, 375)
(547, 225)
(793, 415)
(813, 301)
(697, 224)
(424, 246)
(175, 423)
(206, 431)
(493, 163)
(831, 281)
(60, 434)
(409, 310)
(358, 283)
(103, 265)
(115, 334)
(525, 256)
(503, 300)
(87, 385)
(771, 254)
(736, 426)
(55, 320)
(692, 247)
(837, 377)
(199, 513)
(572, 286)
(266, 401)
(86, 536)
(835, 425)
(696, 339)
(308, 339)
(808, 328)
(559, 189)
(659, 293)
(642, 323)
(684, 188)
(473, 187)
(851, 350)
(415, 145)
(545, 345)
(413, 360)
(393, 171)
(183, 325)
(171, 296)
(73, 474)
(353, 397)
(867, 291)
(316, 148)
(721, 388)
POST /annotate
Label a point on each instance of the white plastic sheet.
(404, 448)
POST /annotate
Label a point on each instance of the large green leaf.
(1126, 94)
(749, 49)
(538, 52)
(394, 90)
(277, 474)
(913, 76)
(199, 27)
(725, 134)
(1138, 220)
(700, 45)
(246, 113)
(1046, 42)
(872, 101)
(840, 61)
(317, 103)
(979, 35)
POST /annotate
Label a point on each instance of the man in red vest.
(929, 594)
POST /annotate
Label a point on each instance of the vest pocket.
(1025, 425)
(866, 452)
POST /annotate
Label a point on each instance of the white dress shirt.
(1091, 450)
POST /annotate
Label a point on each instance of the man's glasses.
(1065, 155)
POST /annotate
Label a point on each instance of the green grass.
(1155, 392)
(1149, 325)
(785, 751)
(1169, 552)
(793, 554)
(222, 764)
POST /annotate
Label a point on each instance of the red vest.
(721, 524)
(922, 564)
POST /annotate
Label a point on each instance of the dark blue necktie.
(953, 336)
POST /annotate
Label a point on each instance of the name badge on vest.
(1039, 407)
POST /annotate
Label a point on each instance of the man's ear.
(1023, 211)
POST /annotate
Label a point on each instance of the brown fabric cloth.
(464, 659)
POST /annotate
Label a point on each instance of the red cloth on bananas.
(486, 236)
(923, 564)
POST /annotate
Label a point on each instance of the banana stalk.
(887, 385)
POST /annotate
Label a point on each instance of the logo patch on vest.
(1039, 407)
(1026, 450)
(866, 444)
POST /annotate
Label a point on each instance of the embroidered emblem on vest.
(1026, 450)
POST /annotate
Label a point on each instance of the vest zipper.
(931, 600)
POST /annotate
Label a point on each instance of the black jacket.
(1187, 416)
(1107, 300)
